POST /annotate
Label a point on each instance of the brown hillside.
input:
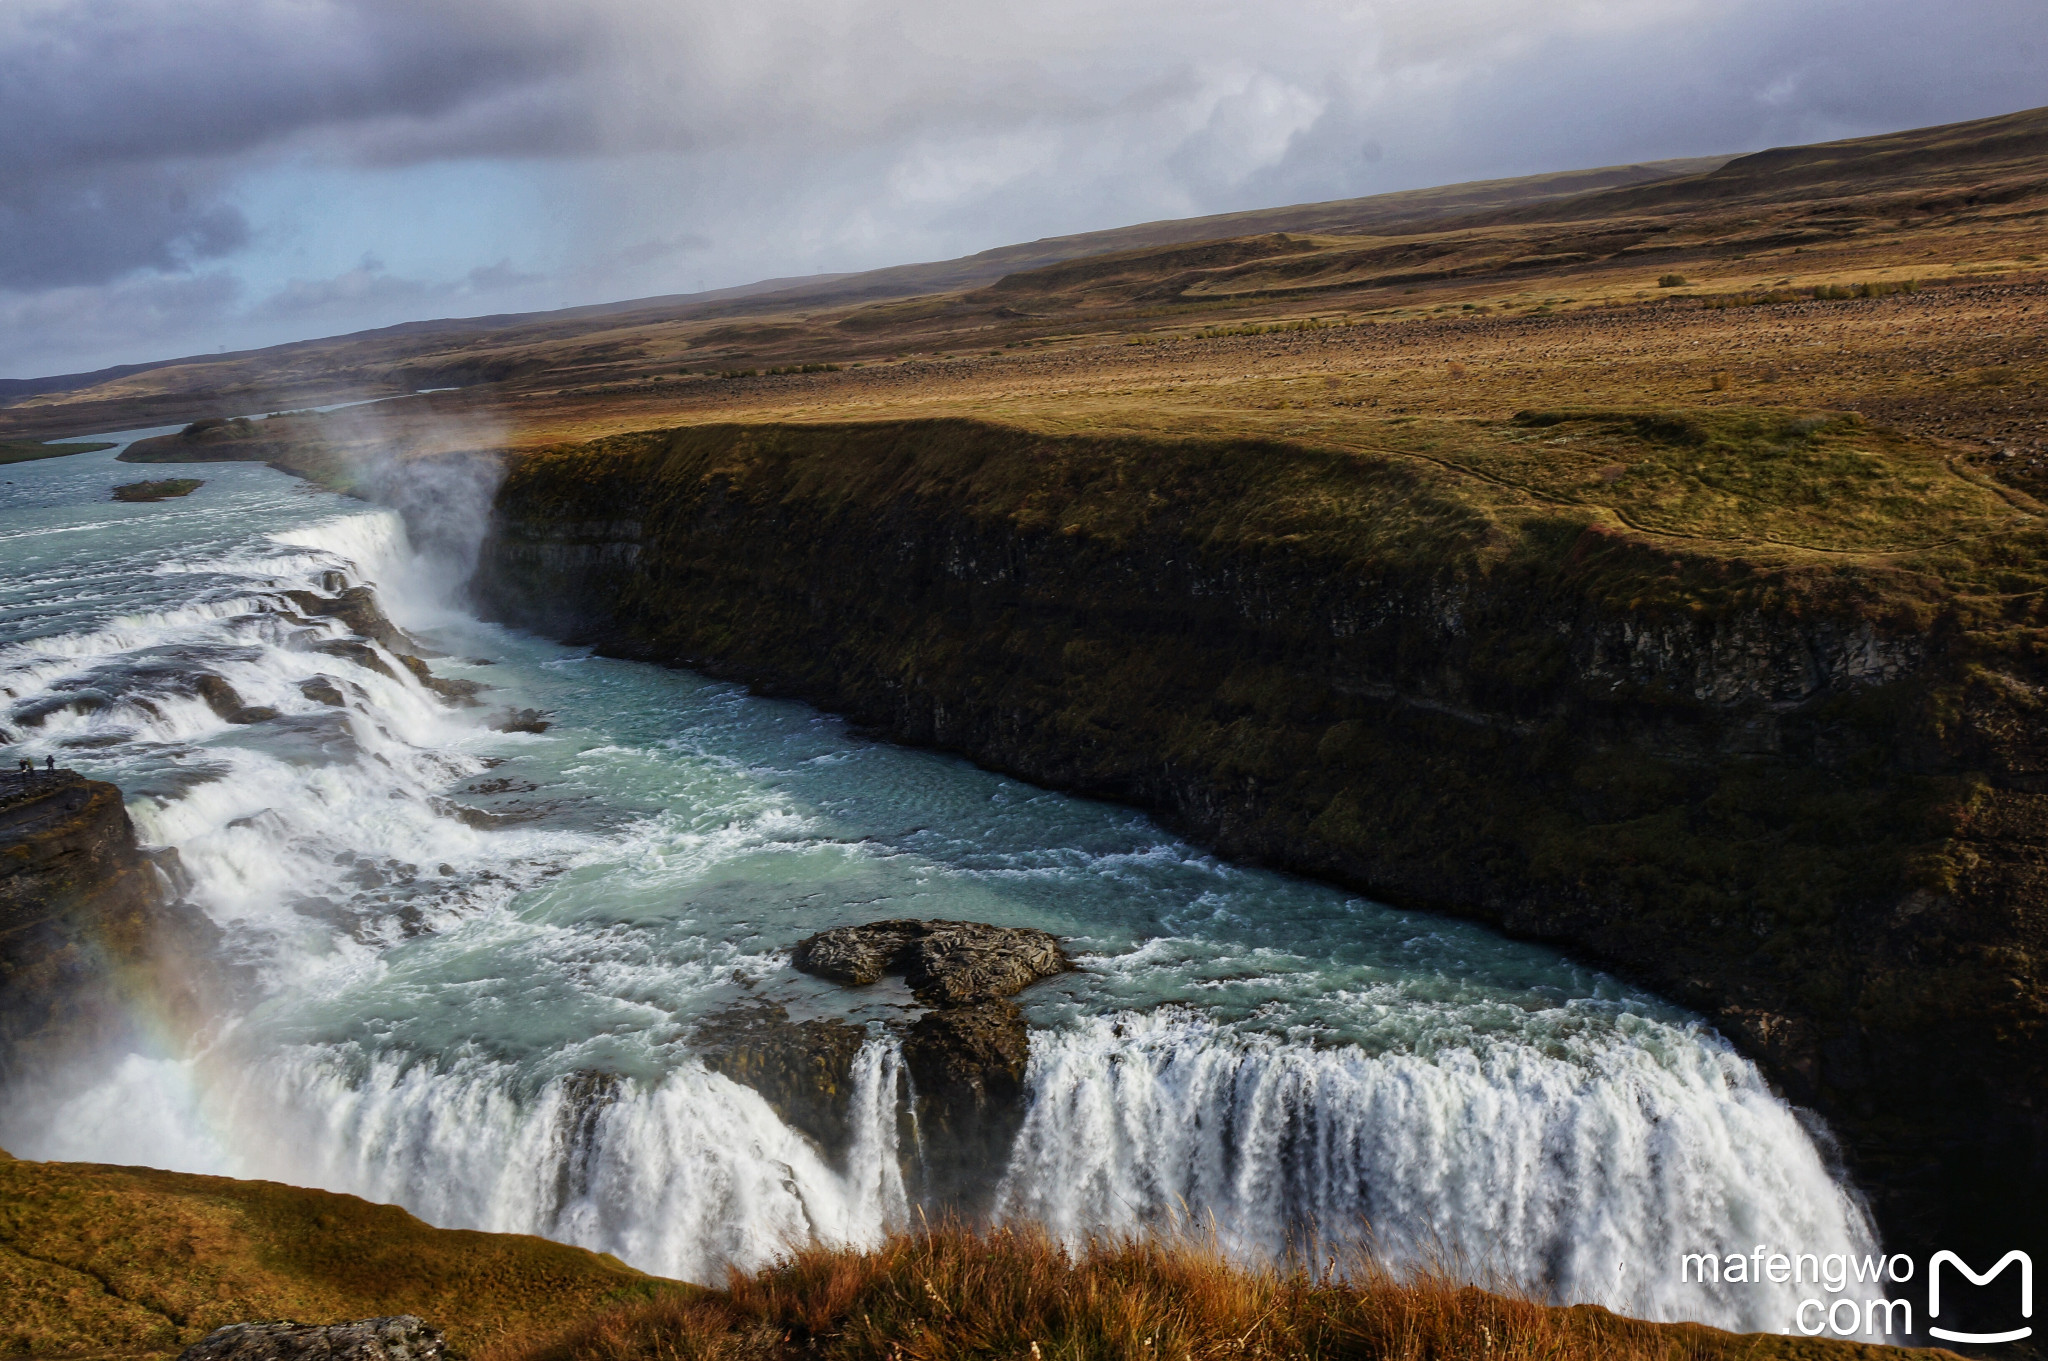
(129, 1261)
(1985, 150)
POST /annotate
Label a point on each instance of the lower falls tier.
(1769, 802)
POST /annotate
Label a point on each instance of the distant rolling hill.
(2011, 148)
(1379, 212)
(1487, 238)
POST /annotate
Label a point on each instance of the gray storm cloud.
(800, 134)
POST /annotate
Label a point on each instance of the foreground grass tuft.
(125, 1262)
(1017, 1294)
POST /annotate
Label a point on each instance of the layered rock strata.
(357, 610)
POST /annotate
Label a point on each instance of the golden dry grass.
(1322, 336)
(132, 1262)
(1953, 380)
(951, 1293)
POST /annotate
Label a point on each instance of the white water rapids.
(478, 958)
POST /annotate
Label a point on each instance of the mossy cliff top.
(1670, 511)
(128, 1262)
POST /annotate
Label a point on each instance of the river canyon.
(470, 970)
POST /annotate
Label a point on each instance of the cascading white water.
(679, 1177)
(1558, 1166)
(481, 957)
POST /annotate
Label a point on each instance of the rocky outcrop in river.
(1808, 807)
(803, 1069)
(965, 1055)
(946, 964)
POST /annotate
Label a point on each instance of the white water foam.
(266, 827)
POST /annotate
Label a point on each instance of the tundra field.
(1898, 277)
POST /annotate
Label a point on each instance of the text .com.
(1879, 1312)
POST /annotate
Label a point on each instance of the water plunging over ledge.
(479, 957)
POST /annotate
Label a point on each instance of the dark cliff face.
(90, 933)
(1815, 816)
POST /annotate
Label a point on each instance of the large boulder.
(966, 1066)
(946, 963)
(402, 1337)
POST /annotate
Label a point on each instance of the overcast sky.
(181, 176)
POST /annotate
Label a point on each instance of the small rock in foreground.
(400, 1338)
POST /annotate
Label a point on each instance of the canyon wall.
(92, 941)
(1812, 810)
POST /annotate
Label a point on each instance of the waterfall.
(1578, 1168)
(681, 1176)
